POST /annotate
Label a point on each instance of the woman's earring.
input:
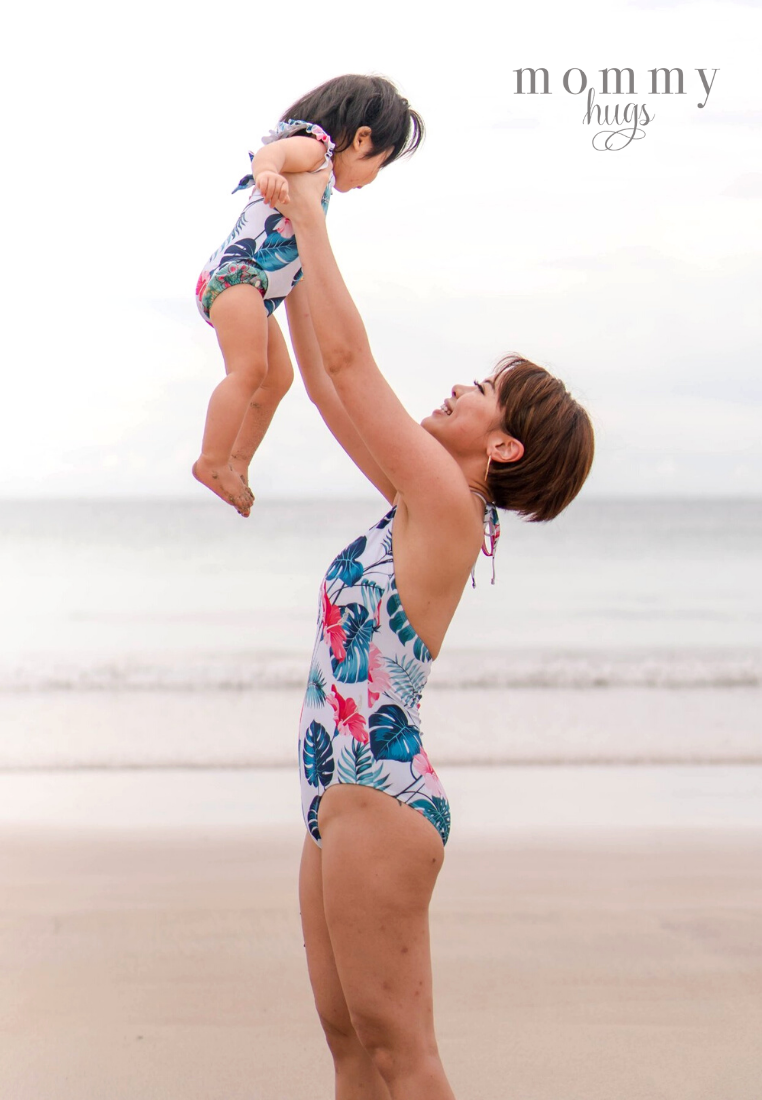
(486, 472)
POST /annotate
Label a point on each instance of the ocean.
(175, 633)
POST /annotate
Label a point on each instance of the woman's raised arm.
(322, 392)
(421, 469)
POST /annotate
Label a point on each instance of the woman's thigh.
(380, 861)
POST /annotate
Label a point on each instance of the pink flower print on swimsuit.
(431, 780)
(360, 723)
(284, 228)
(347, 717)
(378, 677)
(332, 628)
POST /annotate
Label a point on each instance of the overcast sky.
(632, 274)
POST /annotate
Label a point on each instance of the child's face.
(353, 167)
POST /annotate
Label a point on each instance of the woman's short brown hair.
(557, 434)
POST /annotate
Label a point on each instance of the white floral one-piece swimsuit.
(360, 721)
(261, 249)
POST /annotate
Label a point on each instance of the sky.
(633, 273)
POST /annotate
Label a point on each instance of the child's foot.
(227, 484)
(240, 466)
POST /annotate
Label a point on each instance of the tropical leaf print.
(408, 679)
(370, 594)
(385, 520)
(276, 252)
(391, 736)
(358, 629)
(356, 765)
(315, 694)
(238, 225)
(278, 225)
(345, 565)
(312, 816)
(437, 810)
(318, 756)
(245, 249)
(398, 621)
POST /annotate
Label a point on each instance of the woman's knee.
(340, 1035)
(395, 1050)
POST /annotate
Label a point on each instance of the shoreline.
(500, 801)
(627, 725)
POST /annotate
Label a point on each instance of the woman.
(370, 861)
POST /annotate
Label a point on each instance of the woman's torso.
(360, 721)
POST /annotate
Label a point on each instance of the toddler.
(354, 125)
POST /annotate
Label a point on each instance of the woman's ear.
(506, 449)
(362, 141)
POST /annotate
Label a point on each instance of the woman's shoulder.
(448, 531)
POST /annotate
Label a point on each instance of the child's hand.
(306, 191)
(273, 188)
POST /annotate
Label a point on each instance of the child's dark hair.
(557, 434)
(345, 103)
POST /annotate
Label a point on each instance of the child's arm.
(294, 154)
(322, 392)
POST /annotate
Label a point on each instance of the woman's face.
(465, 418)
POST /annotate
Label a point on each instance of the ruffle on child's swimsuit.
(287, 129)
(225, 276)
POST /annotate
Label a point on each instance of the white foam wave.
(462, 671)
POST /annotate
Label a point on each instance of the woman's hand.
(305, 190)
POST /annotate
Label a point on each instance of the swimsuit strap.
(491, 532)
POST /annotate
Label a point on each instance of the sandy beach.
(151, 945)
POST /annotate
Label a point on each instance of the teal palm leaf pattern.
(359, 630)
(399, 623)
(391, 735)
(346, 565)
(437, 810)
(356, 765)
(319, 764)
(408, 679)
(315, 696)
(276, 251)
(371, 594)
(312, 816)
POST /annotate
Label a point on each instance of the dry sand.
(168, 963)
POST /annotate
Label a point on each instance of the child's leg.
(240, 321)
(261, 409)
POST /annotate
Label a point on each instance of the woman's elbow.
(340, 358)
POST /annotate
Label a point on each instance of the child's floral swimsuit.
(360, 722)
(261, 250)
